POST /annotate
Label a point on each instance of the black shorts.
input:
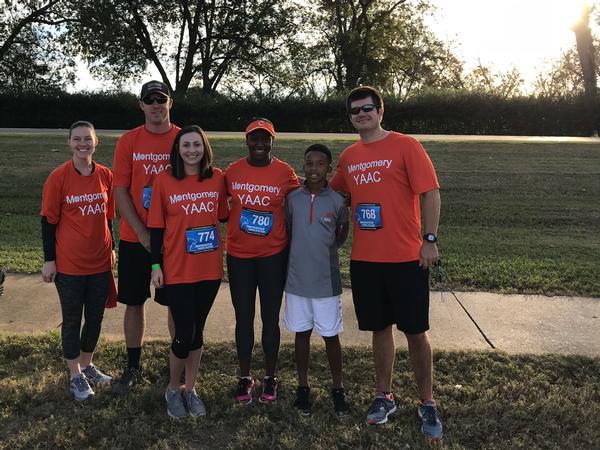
(134, 271)
(385, 294)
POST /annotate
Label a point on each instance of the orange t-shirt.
(80, 207)
(189, 210)
(385, 179)
(139, 157)
(258, 207)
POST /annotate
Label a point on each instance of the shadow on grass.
(487, 399)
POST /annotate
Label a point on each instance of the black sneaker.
(131, 376)
(340, 405)
(302, 402)
(269, 390)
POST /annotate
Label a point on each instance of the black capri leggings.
(79, 294)
(245, 275)
(190, 304)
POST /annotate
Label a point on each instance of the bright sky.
(526, 34)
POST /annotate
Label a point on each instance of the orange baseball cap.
(260, 124)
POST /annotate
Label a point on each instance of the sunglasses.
(364, 108)
(152, 100)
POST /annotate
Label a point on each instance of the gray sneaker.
(80, 388)
(431, 426)
(175, 404)
(94, 375)
(194, 404)
(381, 409)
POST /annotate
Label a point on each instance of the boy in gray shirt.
(317, 221)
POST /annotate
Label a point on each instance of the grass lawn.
(488, 399)
(516, 217)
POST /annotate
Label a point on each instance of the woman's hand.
(49, 271)
(113, 259)
(157, 278)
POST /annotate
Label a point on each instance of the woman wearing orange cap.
(257, 251)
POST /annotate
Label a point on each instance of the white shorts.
(323, 314)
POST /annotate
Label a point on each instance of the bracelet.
(155, 266)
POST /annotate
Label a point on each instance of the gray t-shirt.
(312, 220)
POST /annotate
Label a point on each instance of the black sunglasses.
(152, 100)
(364, 108)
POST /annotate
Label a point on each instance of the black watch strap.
(430, 237)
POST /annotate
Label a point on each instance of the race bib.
(256, 222)
(146, 196)
(202, 239)
(368, 216)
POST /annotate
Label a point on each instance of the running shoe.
(175, 404)
(340, 405)
(131, 376)
(94, 375)
(381, 409)
(431, 426)
(80, 388)
(269, 390)
(302, 402)
(194, 404)
(243, 392)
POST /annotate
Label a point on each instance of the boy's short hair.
(363, 92)
(319, 148)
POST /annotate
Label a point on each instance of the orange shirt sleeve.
(337, 182)
(122, 163)
(52, 198)
(293, 182)
(223, 203)
(110, 213)
(156, 213)
(420, 170)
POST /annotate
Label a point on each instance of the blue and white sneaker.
(93, 374)
(381, 409)
(80, 388)
(429, 415)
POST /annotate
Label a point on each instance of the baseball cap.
(260, 124)
(155, 86)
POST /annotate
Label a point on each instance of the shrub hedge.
(447, 113)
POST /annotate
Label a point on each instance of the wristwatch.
(430, 237)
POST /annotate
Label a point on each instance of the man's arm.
(430, 217)
(128, 212)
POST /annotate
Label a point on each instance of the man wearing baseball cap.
(140, 155)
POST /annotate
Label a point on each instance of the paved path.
(344, 136)
(464, 321)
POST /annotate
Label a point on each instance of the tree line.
(263, 49)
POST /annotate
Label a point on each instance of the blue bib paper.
(202, 239)
(256, 222)
(368, 216)
(146, 196)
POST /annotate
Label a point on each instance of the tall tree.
(500, 84)
(31, 56)
(185, 40)
(587, 59)
(383, 42)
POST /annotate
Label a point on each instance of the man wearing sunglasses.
(395, 200)
(140, 155)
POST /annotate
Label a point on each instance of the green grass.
(488, 400)
(516, 217)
